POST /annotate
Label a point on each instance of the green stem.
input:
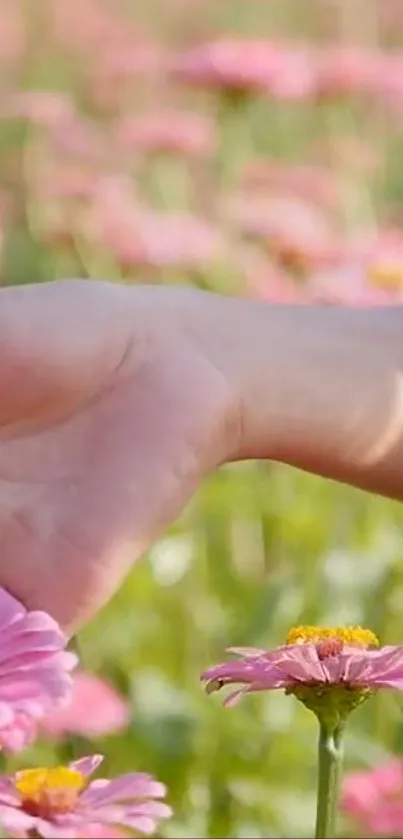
(330, 753)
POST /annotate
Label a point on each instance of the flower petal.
(10, 609)
(128, 787)
(247, 652)
(300, 662)
(142, 824)
(16, 821)
(8, 793)
(50, 830)
(86, 765)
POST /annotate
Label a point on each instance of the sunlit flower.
(95, 709)
(62, 803)
(373, 799)
(34, 670)
(340, 667)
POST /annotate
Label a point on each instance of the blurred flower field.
(254, 148)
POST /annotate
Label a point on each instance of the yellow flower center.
(333, 638)
(387, 275)
(45, 792)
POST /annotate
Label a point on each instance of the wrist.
(313, 386)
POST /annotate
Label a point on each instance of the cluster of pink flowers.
(37, 688)
(291, 71)
(112, 183)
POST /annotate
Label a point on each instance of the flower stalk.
(330, 754)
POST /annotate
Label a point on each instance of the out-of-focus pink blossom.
(373, 799)
(101, 831)
(34, 671)
(44, 107)
(13, 34)
(368, 272)
(95, 709)
(390, 79)
(128, 61)
(63, 803)
(140, 237)
(314, 183)
(116, 71)
(80, 139)
(87, 27)
(281, 70)
(382, 254)
(295, 231)
(275, 285)
(348, 283)
(348, 70)
(64, 181)
(177, 132)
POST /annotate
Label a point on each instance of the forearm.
(320, 388)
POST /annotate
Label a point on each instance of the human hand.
(115, 401)
(110, 414)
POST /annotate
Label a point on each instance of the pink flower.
(390, 79)
(349, 284)
(265, 280)
(101, 831)
(296, 231)
(172, 132)
(313, 657)
(61, 803)
(94, 710)
(373, 799)
(13, 34)
(140, 237)
(248, 66)
(315, 183)
(34, 670)
(348, 70)
(368, 273)
(46, 108)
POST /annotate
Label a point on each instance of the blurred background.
(252, 147)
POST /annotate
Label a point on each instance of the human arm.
(317, 387)
(115, 402)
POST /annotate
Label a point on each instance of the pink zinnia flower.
(95, 709)
(140, 237)
(46, 108)
(373, 799)
(34, 670)
(173, 132)
(248, 66)
(314, 661)
(296, 231)
(316, 183)
(348, 70)
(349, 284)
(62, 803)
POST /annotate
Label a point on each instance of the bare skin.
(116, 401)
